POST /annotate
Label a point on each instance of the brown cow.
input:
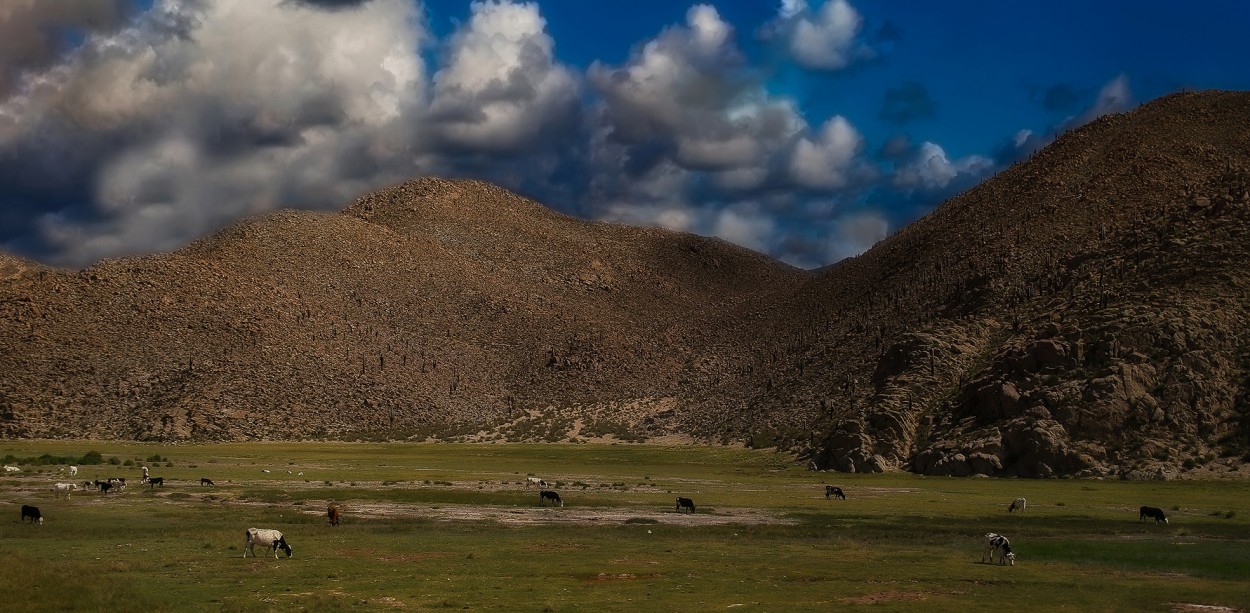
(334, 515)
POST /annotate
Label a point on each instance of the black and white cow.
(33, 513)
(1153, 513)
(1019, 503)
(998, 543)
(835, 492)
(535, 481)
(549, 495)
(269, 539)
(683, 503)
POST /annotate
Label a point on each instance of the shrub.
(91, 458)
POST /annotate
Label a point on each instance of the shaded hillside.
(422, 306)
(1084, 312)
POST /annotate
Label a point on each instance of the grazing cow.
(68, 488)
(264, 470)
(11, 469)
(155, 481)
(104, 486)
(998, 543)
(1153, 513)
(834, 491)
(549, 495)
(1018, 503)
(203, 481)
(73, 471)
(33, 513)
(535, 481)
(334, 514)
(684, 503)
(270, 539)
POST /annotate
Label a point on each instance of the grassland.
(439, 526)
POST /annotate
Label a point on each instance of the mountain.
(1081, 313)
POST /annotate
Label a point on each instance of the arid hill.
(1084, 312)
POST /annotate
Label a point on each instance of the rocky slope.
(1084, 312)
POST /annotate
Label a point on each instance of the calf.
(549, 495)
(834, 491)
(335, 516)
(684, 503)
(68, 488)
(1018, 503)
(998, 543)
(1153, 513)
(203, 481)
(270, 539)
(33, 513)
(155, 481)
(535, 481)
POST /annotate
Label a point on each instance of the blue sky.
(803, 129)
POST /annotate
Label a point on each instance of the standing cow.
(549, 495)
(683, 503)
(1018, 503)
(997, 543)
(334, 515)
(1153, 513)
(33, 513)
(835, 492)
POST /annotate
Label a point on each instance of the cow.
(1018, 503)
(683, 503)
(73, 471)
(535, 481)
(203, 481)
(104, 486)
(998, 543)
(549, 495)
(68, 488)
(1153, 513)
(155, 481)
(11, 469)
(270, 539)
(834, 491)
(334, 515)
(33, 513)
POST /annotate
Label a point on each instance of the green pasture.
(441, 526)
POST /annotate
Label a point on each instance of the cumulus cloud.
(826, 160)
(501, 87)
(827, 38)
(931, 169)
(204, 112)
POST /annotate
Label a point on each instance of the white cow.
(535, 481)
(998, 543)
(73, 471)
(68, 488)
(11, 469)
(1018, 503)
(270, 539)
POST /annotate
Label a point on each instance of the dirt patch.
(880, 597)
(1190, 607)
(529, 516)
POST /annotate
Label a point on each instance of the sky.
(803, 129)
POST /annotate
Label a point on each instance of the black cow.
(33, 513)
(684, 503)
(155, 481)
(549, 495)
(1153, 513)
(104, 486)
(834, 491)
(203, 481)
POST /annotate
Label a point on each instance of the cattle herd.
(996, 545)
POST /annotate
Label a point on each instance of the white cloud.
(825, 161)
(825, 39)
(855, 234)
(502, 88)
(931, 169)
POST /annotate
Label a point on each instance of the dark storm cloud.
(332, 5)
(906, 103)
(35, 33)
